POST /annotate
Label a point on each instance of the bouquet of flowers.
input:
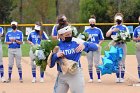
(84, 36)
(42, 51)
(121, 36)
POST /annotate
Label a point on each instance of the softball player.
(136, 37)
(95, 36)
(14, 39)
(62, 21)
(34, 38)
(1, 61)
(71, 48)
(112, 31)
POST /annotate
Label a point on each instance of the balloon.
(111, 60)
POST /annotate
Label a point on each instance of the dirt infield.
(108, 84)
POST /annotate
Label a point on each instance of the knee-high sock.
(42, 74)
(123, 72)
(139, 72)
(1, 70)
(98, 73)
(20, 72)
(90, 73)
(34, 72)
(10, 72)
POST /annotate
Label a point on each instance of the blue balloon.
(110, 61)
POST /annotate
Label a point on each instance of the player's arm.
(8, 43)
(54, 32)
(54, 37)
(101, 41)
(29, 39)
(7, 40)
(18, 41)
(45, 36)
(29, 42)
(21, 39)
(135, 35)
(1, 32)
(101, 37)
(111, 30)
(86, 46)
(55, 58)
(89, 46)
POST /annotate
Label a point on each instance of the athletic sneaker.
(34, 80)
(90, 81)
(3, 80)
(41, 80)
(139, 81)
(9, 80)
(117, 80)
(99, 81)
(21, 80)
(121, 80)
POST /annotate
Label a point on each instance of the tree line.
(77, 11)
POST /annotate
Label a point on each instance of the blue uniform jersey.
(54, 30)
(95, 34)
(120, 27)
(136, 33)
(17, 35)
(34, 37)
(68, 48)
(1, 31)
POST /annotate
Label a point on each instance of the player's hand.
(12, 40)
(60, 54)
(80, 48)
(115, 29)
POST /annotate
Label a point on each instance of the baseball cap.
(14, 23)
(118, 17)
(37, 27)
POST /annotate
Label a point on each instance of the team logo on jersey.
(69, 51)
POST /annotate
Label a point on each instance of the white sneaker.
(99, 81)
(34, 80)
(21, 80)
(41, 80)
(121, 80)
(90, 81)
(3, 80)
(139, 81)
(117, 80)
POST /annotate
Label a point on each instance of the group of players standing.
(61, 31)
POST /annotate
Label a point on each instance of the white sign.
(28, 30)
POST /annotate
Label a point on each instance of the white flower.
(114, 37)
(124, 38)
(122, 35)
(81, 36)
(126, 33)
(40, 54)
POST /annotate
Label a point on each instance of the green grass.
(25, 50)
(131, 50)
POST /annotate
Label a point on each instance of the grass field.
(26, 47)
